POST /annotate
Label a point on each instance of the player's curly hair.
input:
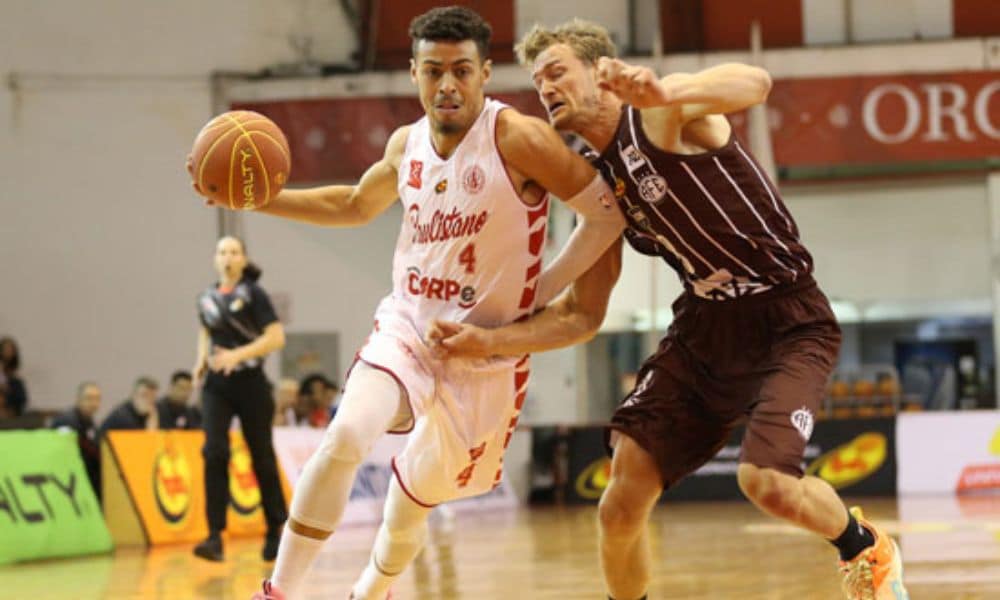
(588, 40)
(452, 24)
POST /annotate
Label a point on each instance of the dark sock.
(854, 539)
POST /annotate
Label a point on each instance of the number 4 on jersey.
(468, 258)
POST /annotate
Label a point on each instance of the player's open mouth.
(447, 108)
(554, 108)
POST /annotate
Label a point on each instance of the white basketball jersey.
(469, 249)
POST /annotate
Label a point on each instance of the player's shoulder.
(396, 146)
(397, 141)
(520, 133)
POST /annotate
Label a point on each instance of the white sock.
(400, 537)
(372, 403)
(297, 554)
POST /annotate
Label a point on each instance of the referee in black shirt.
(239, 328)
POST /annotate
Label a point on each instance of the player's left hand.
(635, 85)
(189, 165)
(448, 339)
(224, 361)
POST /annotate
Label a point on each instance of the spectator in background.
(80, 419)
(15, 392)
(289, 409)
(137, 412)
(316, 399)
(5, 412)
(173, 409)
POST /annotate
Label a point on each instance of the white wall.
(613, 15)
(874, 20)
(104, 246)
(826, 22)
(892, 241)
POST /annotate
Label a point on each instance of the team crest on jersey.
(416, 168)
(802, 420)
(652, 188)
(473, 179)
(441, 187)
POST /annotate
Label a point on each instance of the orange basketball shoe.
(876, 573)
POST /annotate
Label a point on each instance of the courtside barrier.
(47, 507)
(949, 452)
(154, 489)
(856, 456)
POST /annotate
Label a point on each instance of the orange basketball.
(240, 159)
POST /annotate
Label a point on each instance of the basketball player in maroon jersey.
(752, 338)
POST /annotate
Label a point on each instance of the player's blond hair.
(588, 40)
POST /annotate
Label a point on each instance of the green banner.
(47, 507)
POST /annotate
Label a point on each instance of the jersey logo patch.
(652, 188)
(802, 420)
(416, 168)
(473, 179)
(633, 159)
(441, 186)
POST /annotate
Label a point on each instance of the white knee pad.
(371, 403)
(344, 442)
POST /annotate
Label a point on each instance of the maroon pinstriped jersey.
(715, 217)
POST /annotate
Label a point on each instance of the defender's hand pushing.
(448, 339)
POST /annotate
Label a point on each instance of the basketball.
(240, 159)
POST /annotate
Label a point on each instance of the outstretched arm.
(718, 90)
(345, 205)
(573, 318)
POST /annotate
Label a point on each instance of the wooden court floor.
(951, 550)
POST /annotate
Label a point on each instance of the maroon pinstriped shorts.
(763, 359)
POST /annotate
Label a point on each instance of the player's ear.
(413, 70)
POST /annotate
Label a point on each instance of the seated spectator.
(15, 393)
(80, 419)
(137, 412)
(173, 409)
(5, 412)
(317, 399)
(288, 406)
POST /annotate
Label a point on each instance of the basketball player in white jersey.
(473, 177)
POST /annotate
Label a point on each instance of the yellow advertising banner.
(163, 475)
